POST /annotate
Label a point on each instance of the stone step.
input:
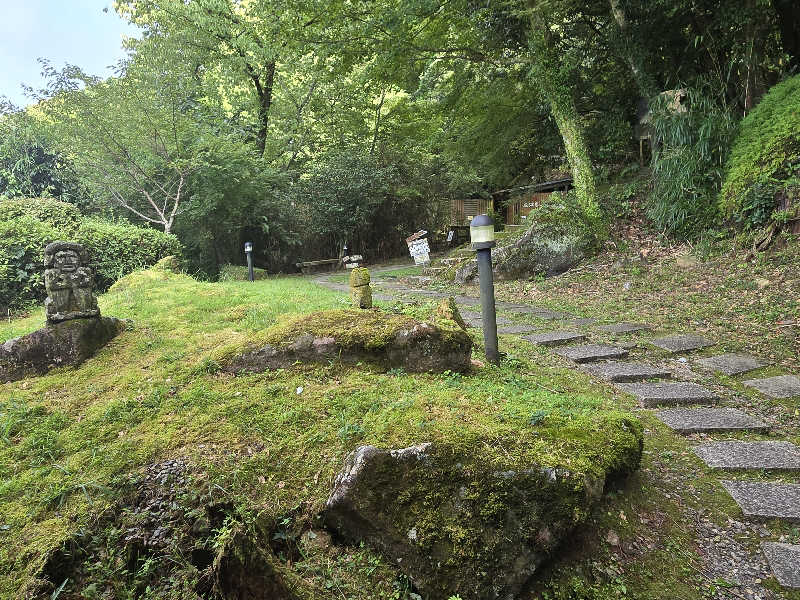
(516, 329)
(681, 343)
(710, 420)
(467, 300)
(731, 364)
(620, 372)
(555, 338)
(654, 394)
(581, 321)
(591, 352)
(763, 501)
(623, 327)
(782, 386)
(783, 456)
(539, 313)
(476, 316)
(784, 560)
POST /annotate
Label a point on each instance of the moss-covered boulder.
(458, 524)
(543, 249)
(68, 343)
(353, 336)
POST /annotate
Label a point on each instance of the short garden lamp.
(481, 233)
(248, 250)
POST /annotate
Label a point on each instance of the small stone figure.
(69, 282)
(360, 292)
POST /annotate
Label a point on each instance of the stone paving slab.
(382, 297)
(764, 500)
(539, 313)
(653, 394)
(782, 386)
(681, 343)
(516, 329)
(784, 559)
(467, 300)
(582, 321)
(627, 371)
(555, 338)
(732, 364)
(591, 352)
(711, 420)
(623, 327)
(476, 316)
(750, 455)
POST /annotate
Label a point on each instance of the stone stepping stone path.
(732, 364)
(784, 559)
(539, 313)
(592, 352)
(681, 343)
(555, 338)
(620, 372)
(710, 420)
(763, 501)
(467, 300)
(623, 327)
(654, 394)
(783, 456)
(782, 386)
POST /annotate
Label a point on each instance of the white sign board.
(420, 250)
(450, 235)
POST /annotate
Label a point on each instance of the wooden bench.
(314, 266)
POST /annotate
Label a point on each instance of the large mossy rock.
(353, 336)
(456, 524)
(544, 249)
(68, 343)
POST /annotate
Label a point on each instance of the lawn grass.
(268, 445)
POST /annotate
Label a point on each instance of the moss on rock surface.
(458, 523)
(353, 336)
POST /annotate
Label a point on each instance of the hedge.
(114, 249)
(765, 158)
(61, 215)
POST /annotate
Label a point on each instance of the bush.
(689, 153)
(61, 215)
(114, 249)
(22, 243)
(765, 159)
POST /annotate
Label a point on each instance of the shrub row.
(114, 249)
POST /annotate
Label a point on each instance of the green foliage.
(60, 215)
(22, 243)
(690, 147)
(765, 158)
(115, 249)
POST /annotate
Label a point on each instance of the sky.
(63, 31)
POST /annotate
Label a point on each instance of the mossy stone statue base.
(353, 336)
(68, 343)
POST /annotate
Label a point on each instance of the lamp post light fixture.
(248, 250)
(481, 233)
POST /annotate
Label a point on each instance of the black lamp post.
(481, 233)
(248, 249)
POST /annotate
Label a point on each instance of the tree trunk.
(552, 77)
(633, 52)
(263, 86)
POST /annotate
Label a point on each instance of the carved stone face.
(66, 260)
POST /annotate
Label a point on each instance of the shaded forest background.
(302, 125)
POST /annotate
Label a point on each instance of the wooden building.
(522, 200)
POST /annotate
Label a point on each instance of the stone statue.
(69, 282)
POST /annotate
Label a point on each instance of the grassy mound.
(765, 159)
(263, 449)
